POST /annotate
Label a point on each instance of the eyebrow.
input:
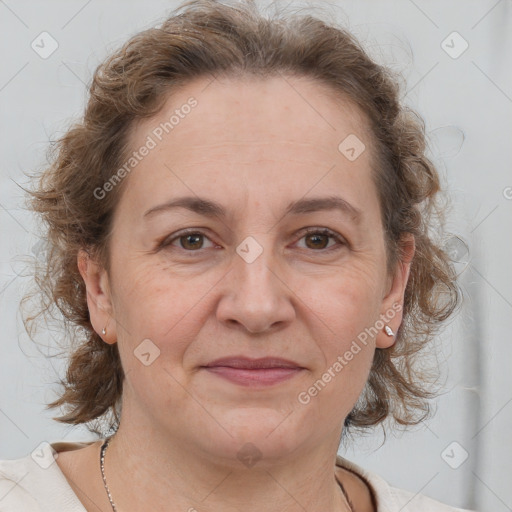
(209, 208)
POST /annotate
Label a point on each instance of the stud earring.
(389, 331)
(104, 331)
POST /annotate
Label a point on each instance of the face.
(285, 258)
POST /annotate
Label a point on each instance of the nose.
(256, 295)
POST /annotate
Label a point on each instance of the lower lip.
(254, 377)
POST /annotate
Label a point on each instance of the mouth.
(254, 372)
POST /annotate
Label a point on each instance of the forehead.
(249, 137)
(253, 109)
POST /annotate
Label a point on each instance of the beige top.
(35, 483)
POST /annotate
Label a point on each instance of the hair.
(207, 38)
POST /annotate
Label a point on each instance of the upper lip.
(250, 363)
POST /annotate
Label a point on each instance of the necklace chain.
(102, 467)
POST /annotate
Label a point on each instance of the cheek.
(160, 317)
(347, 301)
(345, 308)
(156, 303)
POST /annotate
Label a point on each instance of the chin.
(262, 432)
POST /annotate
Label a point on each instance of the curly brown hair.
(207, 38)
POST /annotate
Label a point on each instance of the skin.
(254, 147)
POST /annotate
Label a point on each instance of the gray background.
(467, 104)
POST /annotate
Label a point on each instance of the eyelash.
(311, 231)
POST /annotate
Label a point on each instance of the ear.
(98, 296)
(393, 302)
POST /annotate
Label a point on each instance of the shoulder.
(409, 502)
(391, 499)
(13, 491)
(35, 483)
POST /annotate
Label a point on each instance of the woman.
(239, 232)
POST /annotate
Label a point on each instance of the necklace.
(102, 467)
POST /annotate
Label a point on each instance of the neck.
(149, 472)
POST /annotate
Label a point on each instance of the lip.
(245, 371)
(248, 363)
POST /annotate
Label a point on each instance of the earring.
(389, 331)
(104, 331)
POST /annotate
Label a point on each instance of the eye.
(190, 240)
(318, 239)
(193, 240)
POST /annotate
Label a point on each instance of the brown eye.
(192, 241)
(318, 239)
(189, 241)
